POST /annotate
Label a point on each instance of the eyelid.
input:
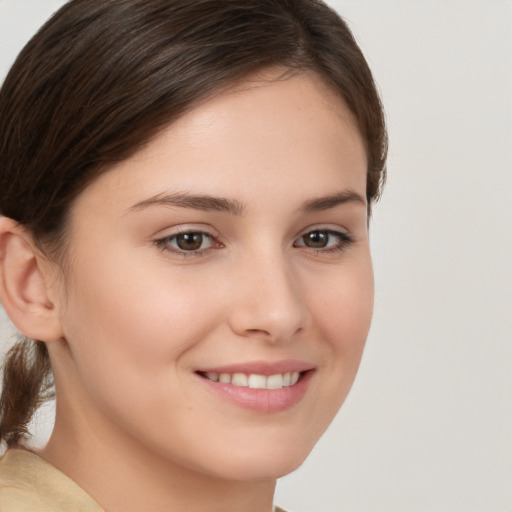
(184, 227)
(344, 236)
(163, 242)
(330, 228)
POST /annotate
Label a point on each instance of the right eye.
(186, 243)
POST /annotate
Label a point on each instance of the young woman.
(185, 190)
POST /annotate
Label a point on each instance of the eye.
(325, 240)
(191, 242)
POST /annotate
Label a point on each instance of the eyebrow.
(234, 207)
(193, 201)
(331, 201)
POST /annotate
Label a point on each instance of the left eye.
(323, 239)
(191, 241)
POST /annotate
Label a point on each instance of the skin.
(138, 318)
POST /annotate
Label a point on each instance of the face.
(219, 285)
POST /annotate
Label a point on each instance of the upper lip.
(261, 367)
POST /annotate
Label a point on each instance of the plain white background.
(428, 425)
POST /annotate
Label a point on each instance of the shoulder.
(16, 492)
(28, 483)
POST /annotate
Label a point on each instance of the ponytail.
(27, 384)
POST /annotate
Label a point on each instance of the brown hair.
(102, 77)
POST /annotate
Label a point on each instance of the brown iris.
(189, 241)
(316, 239)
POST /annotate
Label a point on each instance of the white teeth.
(225, 378)
(239, 379)
(254, 380)
(257, 381)
(275, 381)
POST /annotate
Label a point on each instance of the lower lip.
(262, 400)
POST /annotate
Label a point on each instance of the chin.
(267, 464)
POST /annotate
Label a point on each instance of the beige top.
(30, 484)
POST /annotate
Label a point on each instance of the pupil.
(189, 241)
(317, 239)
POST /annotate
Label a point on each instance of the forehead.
(265, 133)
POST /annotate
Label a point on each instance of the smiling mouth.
(254, 380)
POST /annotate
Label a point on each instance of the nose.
(267, 302)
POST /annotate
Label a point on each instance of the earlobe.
(24, 290)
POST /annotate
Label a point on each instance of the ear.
(24, 284)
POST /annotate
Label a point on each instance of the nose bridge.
(267, 302)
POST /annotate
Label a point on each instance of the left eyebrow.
(331, 201)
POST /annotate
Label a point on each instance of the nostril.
(258, 331)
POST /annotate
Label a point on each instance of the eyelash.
(164, 244)
(344, 241)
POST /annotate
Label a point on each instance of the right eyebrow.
(193, 201)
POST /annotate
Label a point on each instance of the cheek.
(129, 323)
(346, 304)
(131, 329)
(343, 309)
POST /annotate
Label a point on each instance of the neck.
(121, 474)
